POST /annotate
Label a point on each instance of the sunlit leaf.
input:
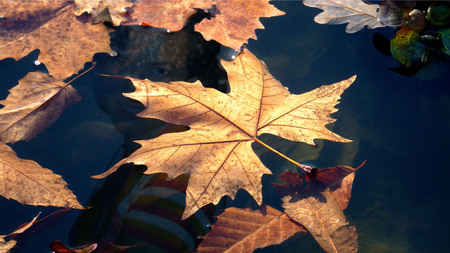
(356, 13)
(216, 152)
(244, 230)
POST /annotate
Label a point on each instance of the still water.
(399, 124)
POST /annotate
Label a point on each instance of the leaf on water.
(6, 246)
(168, 14)
(113, 11)
(29, 183)
(216, 152)
(33, 105)
(65, 42)
(319, 206)
(244, 230)
(356, 13)
(236, 21)
(59, 247)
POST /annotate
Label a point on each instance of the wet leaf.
(6, 246)
(236, 21)
(356, 13)
(28, 183)
(439, 14)
(33, 105)
(216, 152)
(244, 230)
(318, 206)
(395, 13)
(445, 36)
(64, 41)
(321, 215)
(59, 247)
(169, 14)
(113, 11)
(407, 47)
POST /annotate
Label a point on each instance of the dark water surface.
(399, 124)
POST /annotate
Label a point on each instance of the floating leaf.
(6, 246)
(445, 36)
(33, 105)
(395, 13)
(29, 183)
(236, 21)
(169, 14)
(115, 9)
(223, 162)
(356, 13)
(439, 14)
(65, 42)
(244, 230)
(407, 47)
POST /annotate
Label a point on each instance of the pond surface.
(399, 124)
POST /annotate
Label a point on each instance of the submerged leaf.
(29, 183)
(244, 230)
(33, 105)
(356, 13)
(216, 152)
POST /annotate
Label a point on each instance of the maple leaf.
(65, 43)
(236, 21)
(29, 183)
(356, 13)
(169, 14)
(33, 105)
(244, 230)
(216, 152)
(113, 11)
(6, 246)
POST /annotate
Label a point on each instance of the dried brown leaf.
(115, 10)
(33, 105)
(244, 230)
(29, 183)
(356, 13)
(65, 42)
(169, 14)
(216, 152)
(321, 214)
(236, 21)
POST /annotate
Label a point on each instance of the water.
(399, 125)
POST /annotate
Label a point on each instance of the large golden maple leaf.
(216, 152)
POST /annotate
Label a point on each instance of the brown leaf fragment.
(33, 105)
(321, 214)
(6, 246)
(59, 247)
(244, 230)
(216, 152)
(169, 14)
(236, 21)
(65, 42)
(115, 10)
(29, 183)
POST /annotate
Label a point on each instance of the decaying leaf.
(33, 105)
(236, 21)
(357, 13)
(169, 14)
(113, 11)
(6, 246)
(29, 183)
(322, 216)
(59, 247)
(319, 206)
(216, 152)
(244, 230)
(65, 43)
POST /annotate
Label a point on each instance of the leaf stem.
(306, 168)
